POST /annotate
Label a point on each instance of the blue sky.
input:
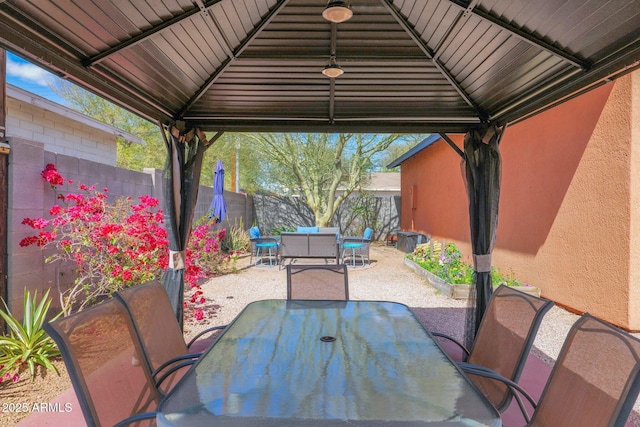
(30, 77)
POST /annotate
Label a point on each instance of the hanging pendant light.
(337, 11)
(332, 69)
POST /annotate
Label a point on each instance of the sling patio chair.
(594, 382)
(354, 247)
(268, 246)
(317, 282)
(162, 340)
(504, 340)
(104, 359)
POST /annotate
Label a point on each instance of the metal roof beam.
(365, 127)
(430, 55)
(90, 62)
(51, 58)
(252, 35)
(452, 144)
(522, 35)
(572, 84)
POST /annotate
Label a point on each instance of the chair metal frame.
(338, 270)
(171, 339)
(269, 244)
(359, 246)
(577, 400)
(56, 330)
(489, 352)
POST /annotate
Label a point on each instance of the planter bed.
(456, 291)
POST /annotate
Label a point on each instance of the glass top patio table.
(308, 363)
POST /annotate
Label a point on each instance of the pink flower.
(198, 314)
(38, 223)
(51, 175)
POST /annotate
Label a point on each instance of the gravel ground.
(384, 279)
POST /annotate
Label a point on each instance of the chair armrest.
(206, 331)
(265, 238)
(351, 239)
(169, 372)
(174, 360)
(136, 418)
(453, 340)
(516, 389)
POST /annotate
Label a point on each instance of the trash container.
(407, 240)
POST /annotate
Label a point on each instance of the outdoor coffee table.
(307, 363)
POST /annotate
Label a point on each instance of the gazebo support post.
(482, 180)
(185, 151)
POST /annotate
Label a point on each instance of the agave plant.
(27, 342)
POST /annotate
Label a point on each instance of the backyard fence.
(381, 213)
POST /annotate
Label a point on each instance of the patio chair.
(104, 359)
(162, 340)
(357, 247)
(594, 382)
(317, 282)
(266, 245)
(504, 340)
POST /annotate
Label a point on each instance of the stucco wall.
(634, 262)
(566, 208)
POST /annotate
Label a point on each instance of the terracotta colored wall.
(634, 274)
(566, 205)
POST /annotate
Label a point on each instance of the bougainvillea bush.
(112, 245)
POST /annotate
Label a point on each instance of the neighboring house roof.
(43, 103)
(415, 150)
(381, 182)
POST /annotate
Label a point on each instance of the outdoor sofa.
(310, 244)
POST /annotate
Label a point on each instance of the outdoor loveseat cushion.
(307, 229)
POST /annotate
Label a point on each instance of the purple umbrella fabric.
(218, 206)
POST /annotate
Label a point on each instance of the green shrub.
(27, 344)
(236, 239)
(498, 278)
(279, 230)
(449, 265)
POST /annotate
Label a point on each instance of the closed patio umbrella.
(218, 206)
(483, 168)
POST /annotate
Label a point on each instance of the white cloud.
(28, 72)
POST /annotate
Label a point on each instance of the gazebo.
(393, 66)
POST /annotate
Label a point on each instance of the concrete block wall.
(59, 134)
(30, 196)
(274, 212)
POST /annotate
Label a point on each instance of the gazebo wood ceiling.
(410, 65)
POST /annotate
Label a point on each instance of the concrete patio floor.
(386, 279)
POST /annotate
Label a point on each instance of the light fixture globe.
(337, 11)
(332, 69)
